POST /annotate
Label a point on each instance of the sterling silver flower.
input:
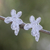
(35, 27)
(16, 21)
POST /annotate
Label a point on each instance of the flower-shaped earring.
(35, 27)
(16, 21)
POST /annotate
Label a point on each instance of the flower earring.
(35, 27)
(16, 21)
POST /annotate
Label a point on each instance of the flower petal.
(14, 26)
(19, 14)
(20, 21)
(16, 32)
(7, 20)
(38, 20)
(37, 36)
(27, 26)
(39, 27)
(13, 12)
(33, 32)
(32, 19)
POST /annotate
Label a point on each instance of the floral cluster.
(16, 21)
